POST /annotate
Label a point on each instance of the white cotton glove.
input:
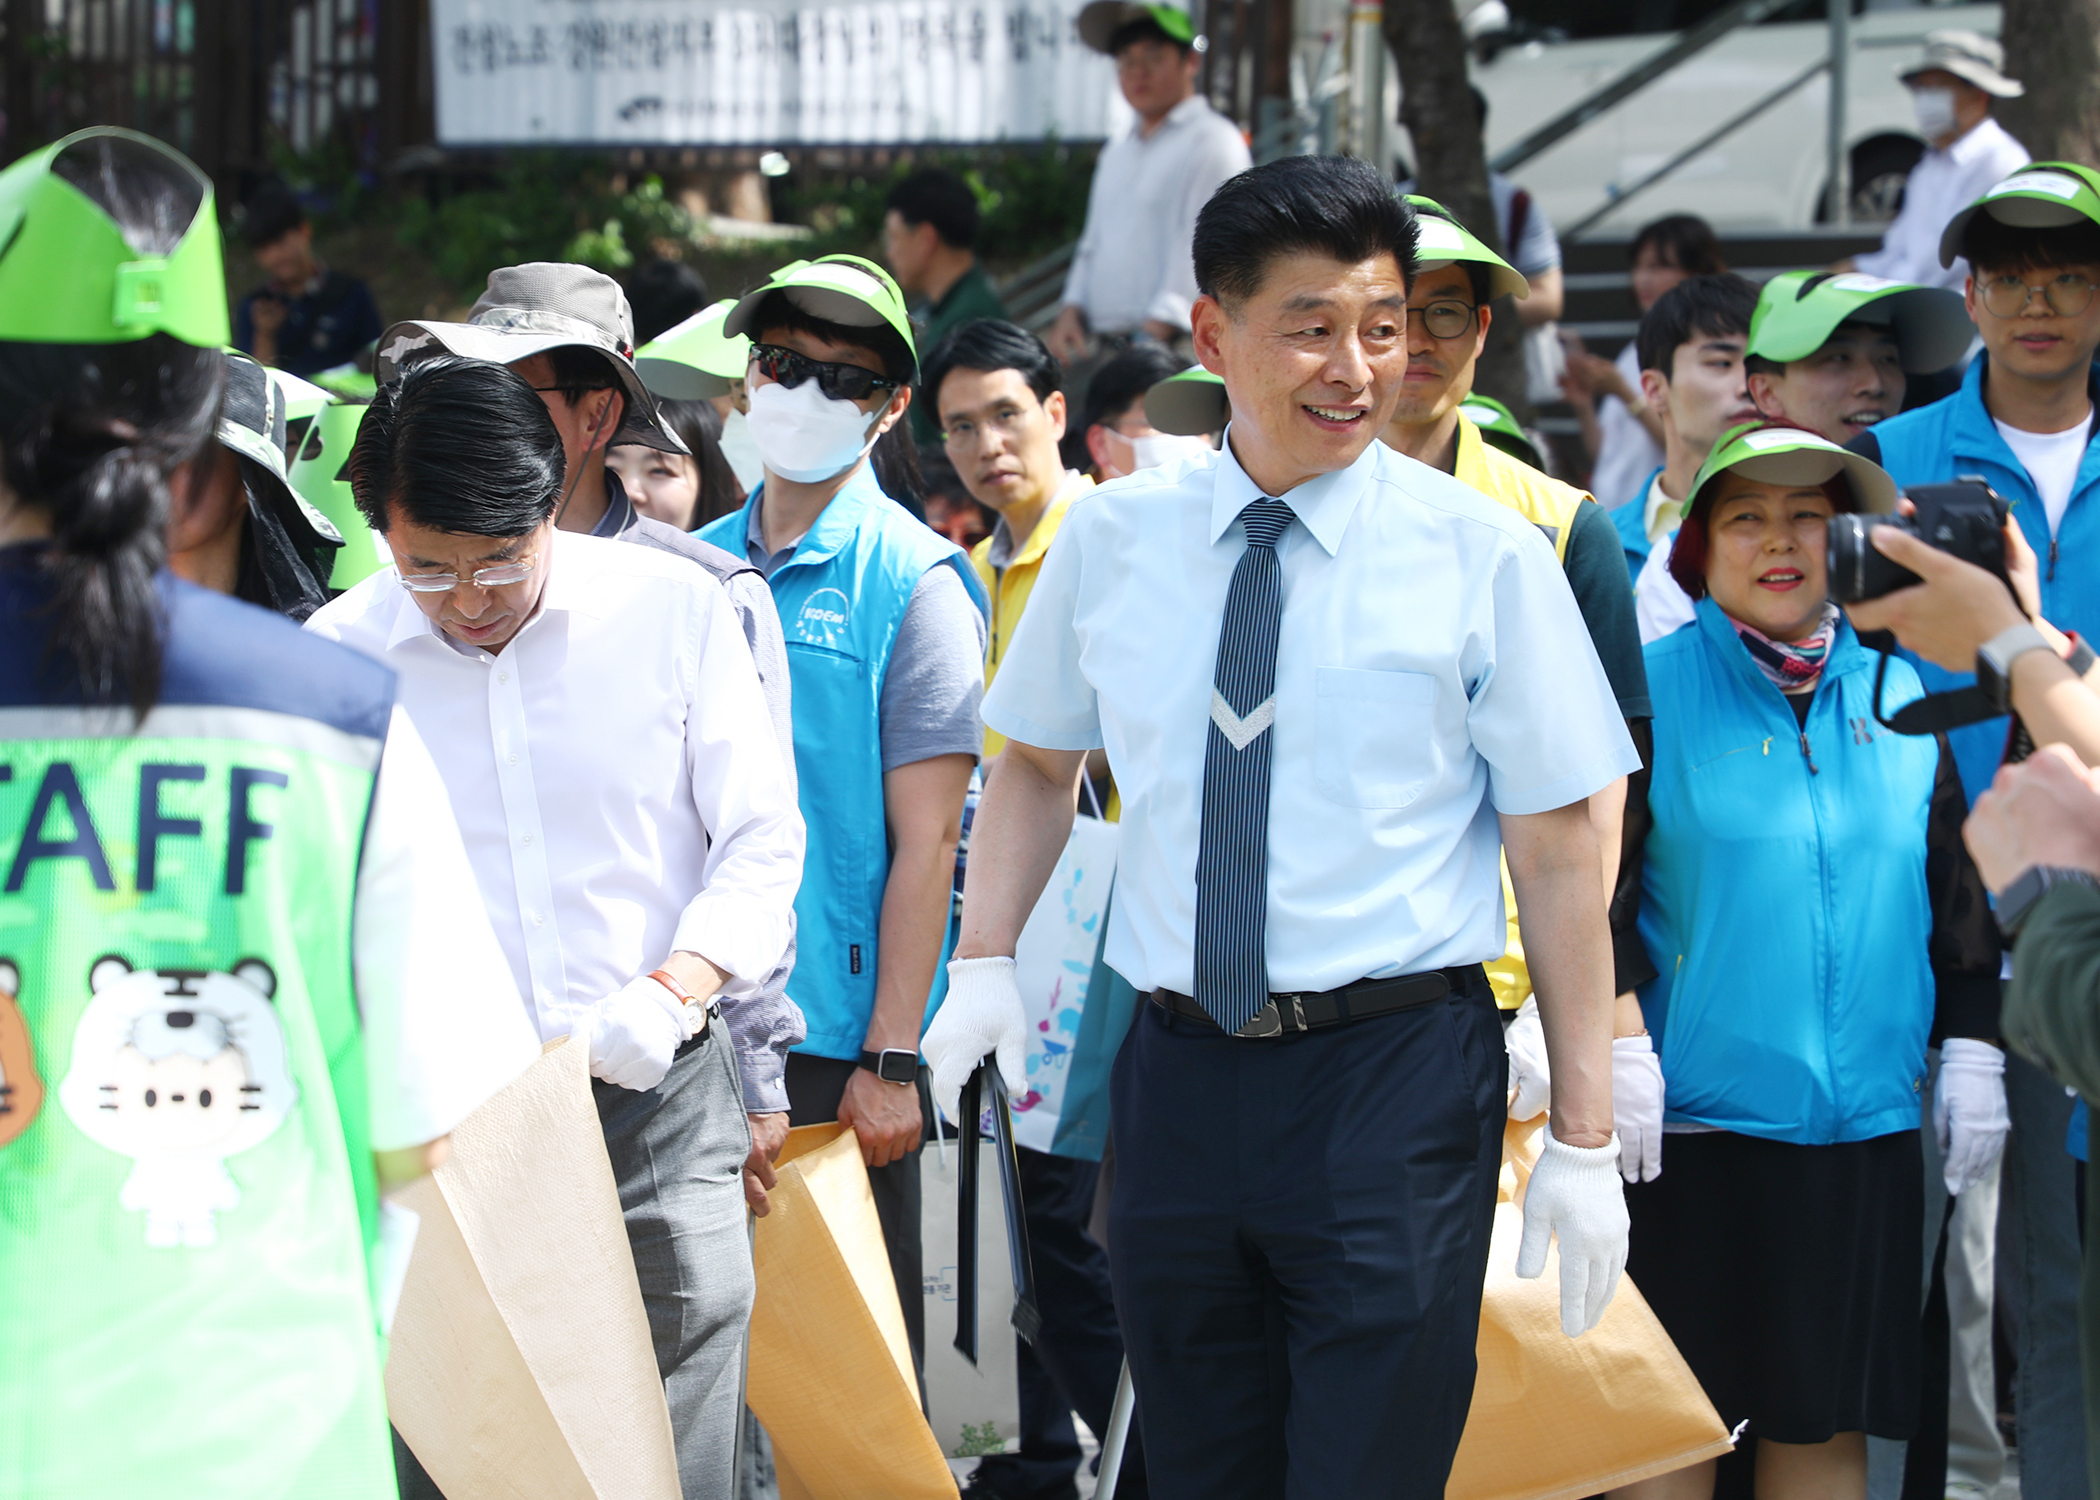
(1968, 1110)
(1530, 1085)
(634, 1031)
(1637, 1107)
(1575, 1195)
(981, 1015)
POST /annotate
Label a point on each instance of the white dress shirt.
(1132, 262)
(1660, 607)
(615, 777)
(1432, 670)
(1941, 185)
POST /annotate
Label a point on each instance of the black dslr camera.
(1965, 518)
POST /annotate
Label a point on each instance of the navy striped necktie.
(1232, 852)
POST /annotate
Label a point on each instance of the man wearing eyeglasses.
(885, 644)
(594, 712)
(2024, 419)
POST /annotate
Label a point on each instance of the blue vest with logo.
(842, 598)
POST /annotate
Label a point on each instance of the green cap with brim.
(1191, 404)
(1788, 455)
(67, 276)
(346, 382)
(302, 398)
(842, 289)
(694, 360)
(1441, 240)
(1499, 427)
(1100, 21)
(316, 475)
(1798, 311)
(2041, 195)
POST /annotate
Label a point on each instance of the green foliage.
(977, 1441)
(1031, 199)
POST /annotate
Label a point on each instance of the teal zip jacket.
(842, 597)
(1805, 896)
(1956, 437)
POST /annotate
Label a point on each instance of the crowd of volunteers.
(715, 684)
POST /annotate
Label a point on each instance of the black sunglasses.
(837, 381)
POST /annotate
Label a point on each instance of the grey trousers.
(678, 1155)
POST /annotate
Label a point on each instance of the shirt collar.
(1323, 504)
(1653, 505)
(619, 510)
(1001, 553)
(1972, 145)
(1469, 457)
(962, 283)
(836, 525)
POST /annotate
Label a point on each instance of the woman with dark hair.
(685, 490)
(251, 992)
(1623, 436)
(1815, 919)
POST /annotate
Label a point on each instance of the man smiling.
(1326, 676)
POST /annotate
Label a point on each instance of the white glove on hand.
(1968, 1110)
(981, 1015)
(1575, 1194)
(1637, 1107)
(1530, 1085)
(634, 1031)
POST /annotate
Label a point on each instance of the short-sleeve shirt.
(1432, 671)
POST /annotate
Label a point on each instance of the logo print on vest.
(179, 1071)
(823, 619)
(21, 1090)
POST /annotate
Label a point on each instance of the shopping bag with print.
(1055, 968)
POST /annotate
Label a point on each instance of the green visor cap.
(2041, 195)
(302, 398)
(1100, 21)
(1497, 426)
(1799, 310)
(840, 289)
(315, 478)
(67, 276)
(1440, 240)
(694, 360)
(1191, 404)
(1787, 455)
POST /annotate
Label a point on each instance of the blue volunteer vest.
(842, 598)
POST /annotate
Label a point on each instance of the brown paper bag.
(831, 1374)
(521, 1366)
(1556, 1417)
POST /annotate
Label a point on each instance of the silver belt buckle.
(1268, 1021)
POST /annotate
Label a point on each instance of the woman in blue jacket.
(1814, 920)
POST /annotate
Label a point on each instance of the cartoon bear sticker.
(21, 1090)
(179, 1070)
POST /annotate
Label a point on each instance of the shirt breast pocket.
(1376, 735)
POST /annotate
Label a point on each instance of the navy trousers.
(1299, 1233)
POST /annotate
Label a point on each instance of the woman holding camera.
(1815, 921)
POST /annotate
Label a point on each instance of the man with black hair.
(929, 238)
(1119, 438)
(1308, 1112)
(308, 318)
(1833, 352)
(1131, 273)
(593, 711)
(663, 294)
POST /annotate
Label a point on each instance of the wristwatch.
(1995, 657)
(2033, 883)
(892, 1064)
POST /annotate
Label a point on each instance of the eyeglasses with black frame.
(2067, 294)
(1446, 320)
(839, 382)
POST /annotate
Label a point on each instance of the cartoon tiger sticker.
(21, 1090)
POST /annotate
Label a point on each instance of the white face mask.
(804, 435)
(1935, 110)
(1162, 448)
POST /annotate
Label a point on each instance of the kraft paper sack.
(830, 1374)
(1556, 1417)
(521, 1366)
(974, 1409)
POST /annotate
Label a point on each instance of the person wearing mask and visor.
(885, 623)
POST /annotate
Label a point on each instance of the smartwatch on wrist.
(892, 1064)
(2080, 657)
(2033, 883)
(1995, 658)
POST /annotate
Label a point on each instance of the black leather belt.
(1313, 1010)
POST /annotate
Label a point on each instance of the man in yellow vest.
(1447, 325)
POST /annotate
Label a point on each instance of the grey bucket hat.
(1969, 56)
(531, 309)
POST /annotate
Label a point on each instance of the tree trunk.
(1436, 106)
(2053, 46)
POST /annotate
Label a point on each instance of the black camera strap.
(1934, 713)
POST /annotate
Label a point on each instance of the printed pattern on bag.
(179, 1070)
(21, 1090)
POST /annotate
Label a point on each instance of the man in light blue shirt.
(1331, 682)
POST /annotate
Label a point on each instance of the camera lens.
(1858, 570)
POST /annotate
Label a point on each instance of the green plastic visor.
(1191, 404)
(1440, 240)
(314, 477)
(694, 360)
(843, 289)
(68, 277)
(2041, 195)
(1787, 455)
(1798, 311)
(1498, 427)
(1100, 21)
